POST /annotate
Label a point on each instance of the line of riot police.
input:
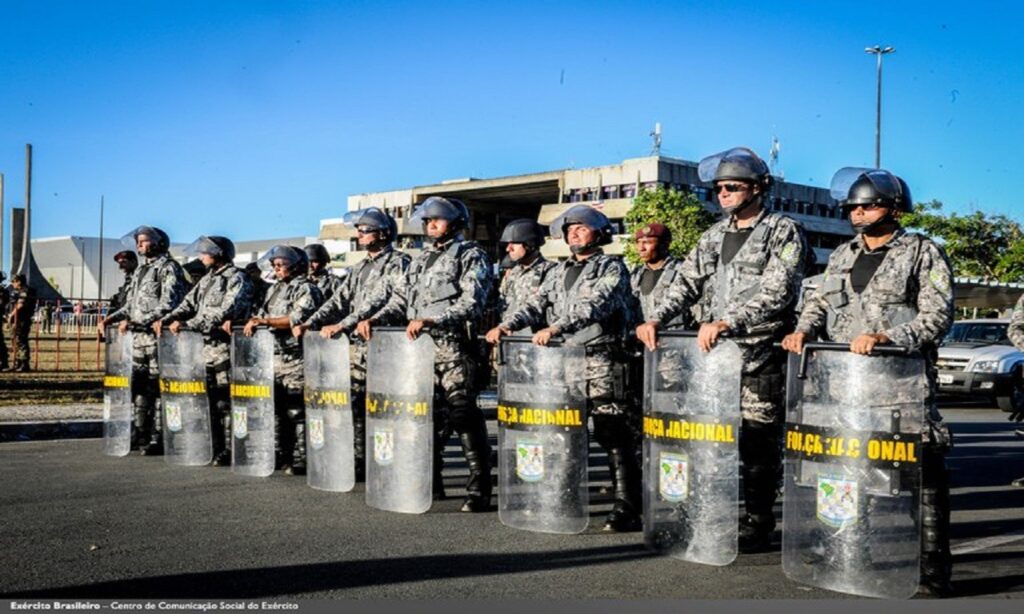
(683, 419)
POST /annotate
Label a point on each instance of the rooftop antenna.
(656, 138)
(773, 158)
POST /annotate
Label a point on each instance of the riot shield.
(330, 454)
(117, 394)
(252, 403)
(851, 509)
(186, 408)
(542, 437)
(399, 421)
(691, 449)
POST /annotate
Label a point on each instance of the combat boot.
(625, 514)
(298, 464)
(757, 527)
(936, 570)
(478, 456)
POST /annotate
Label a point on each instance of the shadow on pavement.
(338, 575)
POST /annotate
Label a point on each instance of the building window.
(629, 191)
(610, 191)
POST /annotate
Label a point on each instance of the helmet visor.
(278, 252)
(129, 240)
(372, 217)
(885, 183)
(203, 245)
(737, 157)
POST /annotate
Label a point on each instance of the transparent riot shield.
(399, 421)
(252, 403)
(851, 509)
(542, 437)
(691, 449)
(185, 406)
(117, 394)
(330, 452)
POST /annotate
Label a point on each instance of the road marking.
(988, 542)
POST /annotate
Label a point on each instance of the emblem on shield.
(529, 460)
(172, 414)
(106, 410)
(316, 433)
(384, 446)
(837, 501)
(674, 476)
(240, 422)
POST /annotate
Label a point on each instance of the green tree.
(681, 212)
(978, 245)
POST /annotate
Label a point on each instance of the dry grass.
(64, 370)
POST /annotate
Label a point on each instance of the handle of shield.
(826, 346)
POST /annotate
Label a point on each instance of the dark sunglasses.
(365, 231)
(731, 187)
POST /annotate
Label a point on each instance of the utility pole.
(26, 250)
(99, 284)
(1, 221)
(878, 51)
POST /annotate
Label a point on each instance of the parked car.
(977, 359)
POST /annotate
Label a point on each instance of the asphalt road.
(77, 524)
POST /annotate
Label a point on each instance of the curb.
(57, 429)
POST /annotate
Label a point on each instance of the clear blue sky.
(257, 119)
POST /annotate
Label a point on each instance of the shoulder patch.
(940, 280)
(790, 253)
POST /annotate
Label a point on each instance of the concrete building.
(71, 264)
(543, 196)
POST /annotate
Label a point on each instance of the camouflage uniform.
(909, 299)
(328, 283)
(596, 311)
(5, 298)
(118, 300)
(25, 307)
(755, 293)
(449, 285)
(156, 288)
(1016, 330)
(220, 296)
(298, 298)
(521, 283)
(363, 293)
(648, 303)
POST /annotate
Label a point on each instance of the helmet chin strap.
(873, 226)
(743, 205)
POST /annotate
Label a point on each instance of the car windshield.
(991, 333)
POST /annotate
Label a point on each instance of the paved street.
(77, 524)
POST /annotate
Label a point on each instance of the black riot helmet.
(221, 248)
(525, 231)
(589, 217)
(440, 207)
(853, 186)
(298, 262)
(159, 238)
(316, 252)
(737, 164)
(377, 220)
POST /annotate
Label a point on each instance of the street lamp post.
(878, 51)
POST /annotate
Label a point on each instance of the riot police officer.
(744, 277)
(362, 294)
(156, 288)
(523, 239)
(444, 291)
(127, 261)
(290, 301)
(220, 297)
(586, 299)
(320, 271)
(888, 286)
